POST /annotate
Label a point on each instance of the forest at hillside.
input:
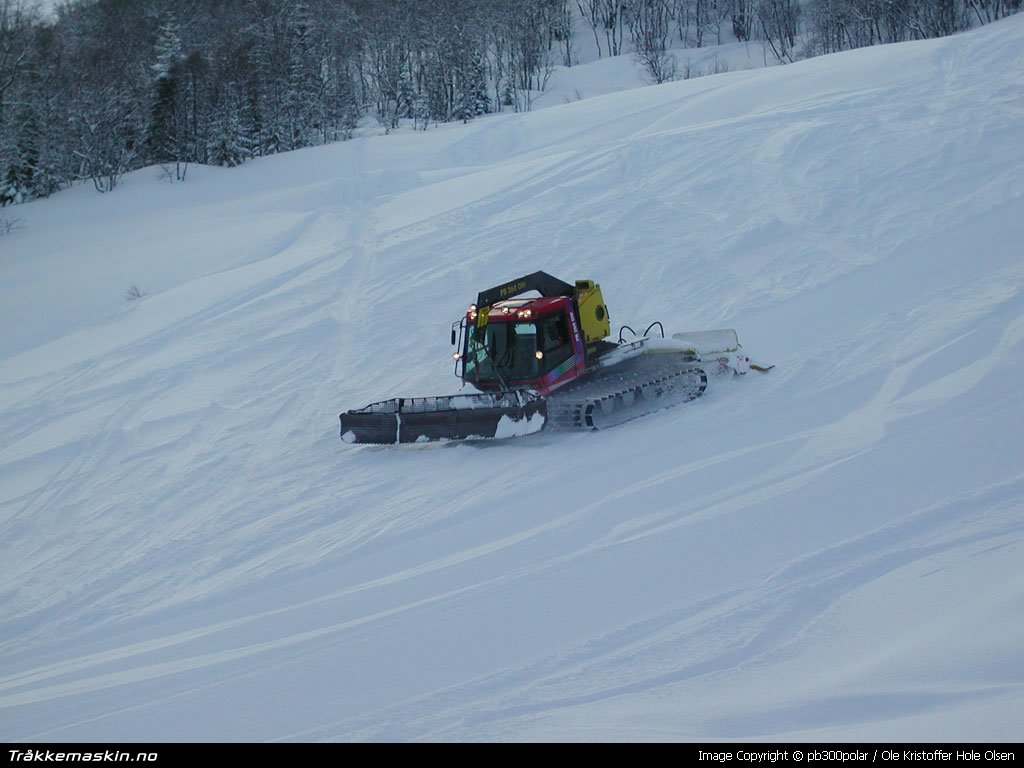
(98, 88)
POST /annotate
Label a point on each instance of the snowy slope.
(832, 550)
(600, 76)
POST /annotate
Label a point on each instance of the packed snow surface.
(832, 550)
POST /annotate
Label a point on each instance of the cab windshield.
(501, 351)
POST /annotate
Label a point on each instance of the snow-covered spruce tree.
(21, 158)
(304, 92)
(17, 146)
(232, 101)
(470, 88)
(420, 112)
(227, 144)
(267, 86)
(47, 92)
(17, 24)
(480, 102)
(385, 58)
(406, 93)
(340, 104)
(462, 99)
(444, 54)
(166, 139)
(282, 74)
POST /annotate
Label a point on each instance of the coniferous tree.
(21, 156)
(166, 138)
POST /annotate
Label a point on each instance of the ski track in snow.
(828, 551)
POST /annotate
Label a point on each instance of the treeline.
(836, 25)
(109, 86)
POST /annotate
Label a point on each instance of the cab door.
(560, 360)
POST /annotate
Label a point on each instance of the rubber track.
(581, 409)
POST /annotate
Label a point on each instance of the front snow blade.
(450, 417)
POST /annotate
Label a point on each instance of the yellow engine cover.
(594, 320)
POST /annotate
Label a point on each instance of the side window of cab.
(554, 341)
